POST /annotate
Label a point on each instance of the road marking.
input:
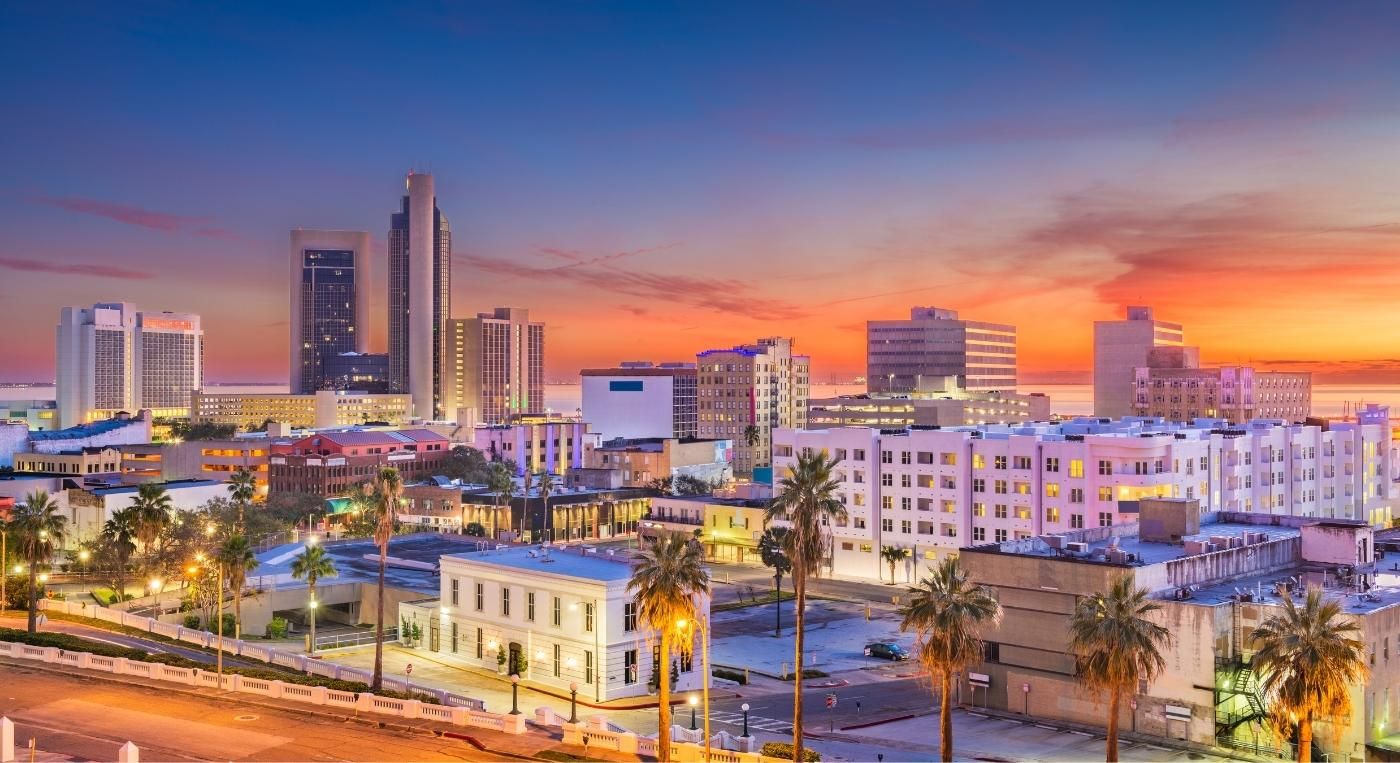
(1043, 726)
(1080, 733)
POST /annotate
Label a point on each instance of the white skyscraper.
(420, 289)
(112, 357)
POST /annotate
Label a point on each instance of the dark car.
(886, 651)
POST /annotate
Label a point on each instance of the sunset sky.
(656, 178)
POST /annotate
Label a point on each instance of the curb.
(868, 724)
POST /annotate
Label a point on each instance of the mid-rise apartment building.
(917, 354)
(495, 367)
(954, 408)
(322, 409)
(1234, 393)
(644, 461)
(1121, 347)
(537, 446)
(329, 302)
(745, 392)
(639, 399)
(934, 491)
(112, 357)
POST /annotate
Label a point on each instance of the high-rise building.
(495, 368)
(916, 355)
(747, 391)
(1120, 347)
(368, 372)
(112, 357)
(330, 302)
(641, 400)
(420, 297)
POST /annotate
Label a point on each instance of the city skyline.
(1030, 166)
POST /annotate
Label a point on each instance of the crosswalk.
(772, 725)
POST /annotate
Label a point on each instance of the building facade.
(730, 528)
(932, 492)
(1120, 347)
(322, 409)
(112, 357)
(328, 464)
(555, 447)
(555, 617)
(420, 296)
(329, 303)
(957, 408)
(367, 372)
(1235, 393)
(639, 399)
(917, 354)
(644, 461)
(78, 462)
(496, 367)
(745, 392)
(196, 460)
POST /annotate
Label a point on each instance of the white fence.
(278, 690)
(686, 746)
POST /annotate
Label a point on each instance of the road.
(89, 718)
(93, 633)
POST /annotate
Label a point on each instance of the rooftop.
(91, 429)
(168, 485)
(1266, 588)
(1145, 552)
(574, 562)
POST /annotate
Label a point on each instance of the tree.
(184, 429)
(151, 510)
(242, 486)
(502, 484)
(668, 575)
(312, 564)
(38, 528)
(1116, 646)
(475, 530)
(388, 485)
(770, 549)
(116, 545)
(808, 497)
(237, 559)
(544, 485)
(948, 612)
(752, 435)
(466, 464)
(893, 555)
(1309, 658)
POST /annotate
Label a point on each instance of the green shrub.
(277, 628)
(230, 622)
(105, 596)
(192, 622)
(730, 675)
(809, 673)
(783, 750)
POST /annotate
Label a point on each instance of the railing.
(1255, 748)
(338, 640)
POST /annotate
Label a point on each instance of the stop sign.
(408, 668)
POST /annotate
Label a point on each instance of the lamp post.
(4, 576)
(514, 694)
(693, 702)
(745, 708)
(573, 702)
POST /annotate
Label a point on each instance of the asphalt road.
(855, 703)
(89, 719)
(104, 636)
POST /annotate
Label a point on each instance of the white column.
(420, 293)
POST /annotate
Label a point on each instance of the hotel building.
(639, 399)
(495, 367)
(762, 385)
(915, 355)
(935, 491)
(112, 357)
(322, 409)
(330, 302)
(420, 297)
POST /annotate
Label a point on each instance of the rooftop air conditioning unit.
(1236, 542)
(1077, 548)
(1118, 557)
(1056, 542)
(1194, 547)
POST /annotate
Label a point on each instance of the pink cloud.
(141, 218)
(80, 269)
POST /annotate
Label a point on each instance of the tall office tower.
(745, 392)
(640, 400)
(1121, 347)
(330, 302)
(496, 367)
(921, 353)
(420, 297)
(112, 357)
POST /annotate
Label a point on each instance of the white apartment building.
(639, 400)
(112, 357)
(564, 612)
(762, 385)
(933, 491)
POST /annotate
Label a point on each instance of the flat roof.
(556, 561)
(1264, 588)
(353, 567)
(1148, 551)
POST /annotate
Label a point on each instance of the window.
(505, 601)
(629, 666)
(455, 585)
(629, 617)
(1105, 519)
(1001, 511)
(1076, 467)
(480, 644)
(588, 667)
(948, 459)
(999, 462)
(906, 503)
(999, 487)
(1022, 462)
(904, 458)
(1023, 488)
(979, 485)
(887, 502)
(887, 480)
(979, 509)
(858, 454)
(530, 606)
(556, 616)
(558, 650)
(1000, 536)
(1052, 464)
(1105, 493)
(588, 617)
(1076, 495)
(979, 461)
(906, 480)
(1105, 467)
(454, 638)
(480, 597)
(887, 525)
(1076, 521)
(979, 533)
(905, 526)
(1052, 490)
(886, 456)
(1052, 514)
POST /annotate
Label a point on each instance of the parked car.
(886, 651)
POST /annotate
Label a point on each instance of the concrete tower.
(420, 285)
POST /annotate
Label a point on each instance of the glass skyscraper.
(330, 296)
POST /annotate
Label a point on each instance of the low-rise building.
(639, 399)
(954, 408)
(78, 462)
(537, 445)
(730, 528)
(39, 415)
(323, 409)
(1235, 393)
(555, 617)
(197, 459)
(328, 464)
(90, 505)
(644, 461)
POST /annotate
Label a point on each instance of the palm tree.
(1310, 657)
(119, 538)
(312, 565)
(948, 612)
(152, 510)
(502, 483)
(544, 484)
(388, 485)
(242, 486)
(893, 555)
(1116, 646)
(237, 559)
(808, 500)
(752, 435)
(770, 550)
(38, 529)
(669, 573)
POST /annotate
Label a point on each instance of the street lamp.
(573, 702)
(745, 708)
(693, 702)
(514, 694)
